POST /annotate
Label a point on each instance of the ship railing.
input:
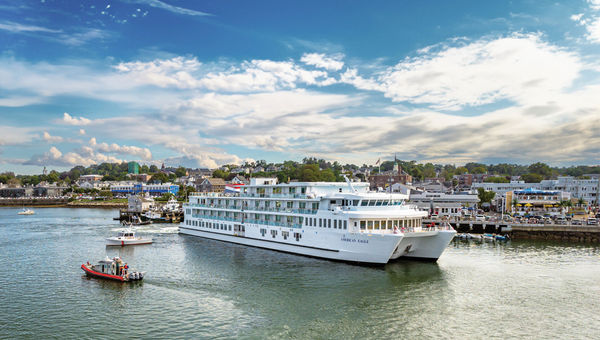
(406, 230)
(284, 210)
(274, 223)
(274, 195)
(219, 218)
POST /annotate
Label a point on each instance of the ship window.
(364, 203)
(379, 203)
(345, 225)
(290, 205)
(320, 222)
(369, 224)
(340, 189)
(273, 233)
(371, 203)
(263, 231)
(285, 234)
(315, 206)
(329, 224)
(376, 226)
(355, 202)
(363, 225)
(229, 228)
(334, 224)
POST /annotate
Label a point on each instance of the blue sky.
(206, 83)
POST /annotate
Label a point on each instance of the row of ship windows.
(284, 234)
(326, 223)
(389, 224)
(212, 225)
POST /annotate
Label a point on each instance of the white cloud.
(18, 28)
(71, 120)
(332, 63)
(143, 153)
(81, 132)
(14, 135)
(163, 72)
(55, 157)
(171, 8)
(520, 68)
(249, 76)
(51, 139)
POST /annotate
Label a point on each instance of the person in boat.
(125, 269)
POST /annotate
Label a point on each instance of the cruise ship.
(330, 220)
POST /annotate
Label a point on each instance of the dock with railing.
(565, 232)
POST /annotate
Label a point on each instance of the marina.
(202, 288)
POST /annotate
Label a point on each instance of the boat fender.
(112, 267)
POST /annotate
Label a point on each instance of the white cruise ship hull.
(363, 248)
(427, 245)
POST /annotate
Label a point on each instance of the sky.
(205, 83)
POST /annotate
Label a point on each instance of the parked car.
(592, 221)
(576, 222)
(561, 220)
(480, 218)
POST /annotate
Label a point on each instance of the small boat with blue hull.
(502, 237)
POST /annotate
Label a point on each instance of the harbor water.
(198, 288)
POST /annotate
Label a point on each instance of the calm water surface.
(197, 288)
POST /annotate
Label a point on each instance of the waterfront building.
(212, 184)
(387, 179)
(90, 178)
(502, 188)
(587, 189)
(333, 220)
(138, 203)
(48, 190)
(16, 192)
(133, 168)
(138, 188)
(442, 204)
(536, 202)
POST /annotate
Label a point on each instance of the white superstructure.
(333, 220)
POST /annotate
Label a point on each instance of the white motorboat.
(26, 212)
(127, 238)
(475, 236)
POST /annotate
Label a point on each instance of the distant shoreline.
(58, 203)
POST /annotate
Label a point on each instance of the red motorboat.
(112, 269)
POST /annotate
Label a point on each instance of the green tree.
(327, 175)
(429, 170)
(497, 179)
(153, 169)
(482, 169)
(532, 178)
(159, 177)
(310, 172)
(220, 174)
(106, 194)
(485, 196)
(180, 172)
(540, 168)
(461, 170)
